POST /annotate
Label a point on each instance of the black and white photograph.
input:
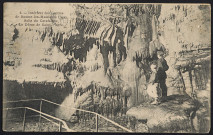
(107, 67)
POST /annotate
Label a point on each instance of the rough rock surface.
(174, 115)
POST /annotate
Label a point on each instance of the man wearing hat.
(162, 68)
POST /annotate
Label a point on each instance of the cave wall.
(184, 28)
(184, 24)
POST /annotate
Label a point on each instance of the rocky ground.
(31, 125)
(87, 125)
(179, 114)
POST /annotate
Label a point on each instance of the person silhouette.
(162, 67)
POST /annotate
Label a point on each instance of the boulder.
(173, 115)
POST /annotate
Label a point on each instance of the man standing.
(162, 68)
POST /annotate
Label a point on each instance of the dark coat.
(162, 68)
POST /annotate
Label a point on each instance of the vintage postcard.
(106, 67)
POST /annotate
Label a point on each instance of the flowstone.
(174, 115)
